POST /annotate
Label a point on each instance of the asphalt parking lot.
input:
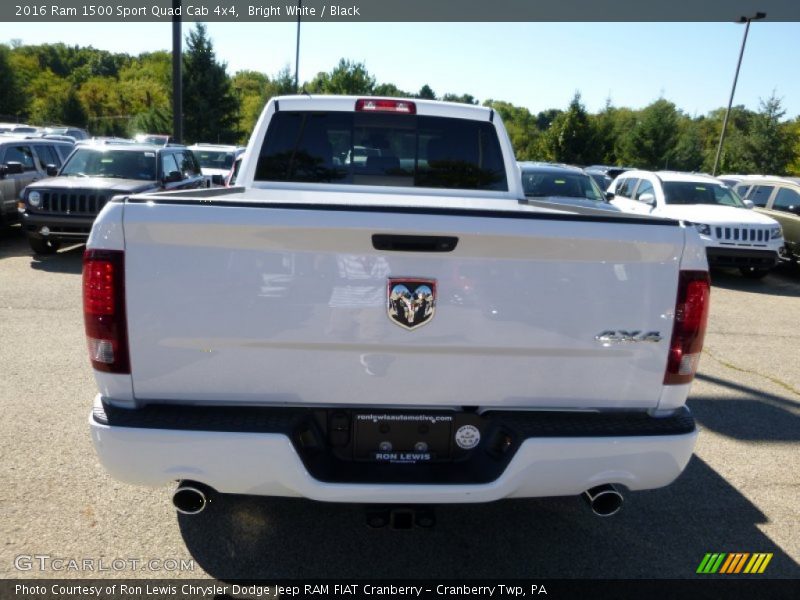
(740, 492)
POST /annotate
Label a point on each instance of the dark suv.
(64, 207)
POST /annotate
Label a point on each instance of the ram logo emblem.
(410, 303)
(621, 336)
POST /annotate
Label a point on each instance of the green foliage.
(426, 93)
(770, 143)
(11, 96)
(119, 94)
(688, 153)
(654, 136)
(348, 78)
(462, 98)
(571, 136)
(521, 127)
(793, 133)
(390, 90)
(207, 93)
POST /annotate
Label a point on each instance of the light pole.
(297, 51)
(758, 16)
(177, 75)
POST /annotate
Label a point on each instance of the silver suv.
(23, 161)
(778, 197)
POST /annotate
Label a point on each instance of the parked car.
(74, 132)
(63, 208)
(216, 160)
(18, 128)
(779, 198)
(100, 140)
(733, 235)
(23, 161)
(731, 180)
(605, 174)
(563, 185)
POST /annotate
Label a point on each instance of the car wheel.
(43, 245)
(753, 272)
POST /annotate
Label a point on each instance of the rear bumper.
(741, 257)
(266, 463)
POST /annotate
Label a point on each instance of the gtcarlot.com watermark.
(48, 563)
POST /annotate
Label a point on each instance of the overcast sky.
(536, 65)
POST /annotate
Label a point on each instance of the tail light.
(395, 106)
(104, 310)
(689, 330)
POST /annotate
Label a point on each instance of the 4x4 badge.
(410, 302)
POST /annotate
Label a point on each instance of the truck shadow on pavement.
(14, 244)
(751, 415)
(69, 260)
(658, 534)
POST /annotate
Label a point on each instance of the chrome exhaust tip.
(604, 500)
(189, 498)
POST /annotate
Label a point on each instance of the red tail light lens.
(395, 106)
(104, 310)
(689, 330)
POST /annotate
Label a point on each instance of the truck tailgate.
(288, 305)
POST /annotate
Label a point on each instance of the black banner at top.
(396, 10)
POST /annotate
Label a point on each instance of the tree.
(521, 127)
(570, 138)
(349, 78)
(11, 98)
(390, 90)
(769, 144)
(655, 135)
(545, 118)
(426, 93)
(207, 92)
(793, 131)
(462, 98)
(688, 153)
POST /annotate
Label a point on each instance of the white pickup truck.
(407, 329)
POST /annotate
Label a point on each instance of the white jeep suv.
(734, 236)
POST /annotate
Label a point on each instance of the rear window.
(542, 184)
(382, 149)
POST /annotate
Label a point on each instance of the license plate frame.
(405, 433)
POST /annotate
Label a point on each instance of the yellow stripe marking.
(765, 563)
(753, 561)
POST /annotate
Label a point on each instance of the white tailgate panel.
(265, 305)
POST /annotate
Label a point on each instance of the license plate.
(403, 437)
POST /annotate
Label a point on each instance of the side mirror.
(794, 209)
(14, 168)
(609, 196)
(648, 199)
(52, 170)
(173, 177)
(748, 203)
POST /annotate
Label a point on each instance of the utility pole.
(758, 16)
(177, 74)
(297, 51)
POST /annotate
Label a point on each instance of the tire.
(43, 245)
(753, 273)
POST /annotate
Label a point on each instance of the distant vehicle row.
(733, 236)
(63, 208)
